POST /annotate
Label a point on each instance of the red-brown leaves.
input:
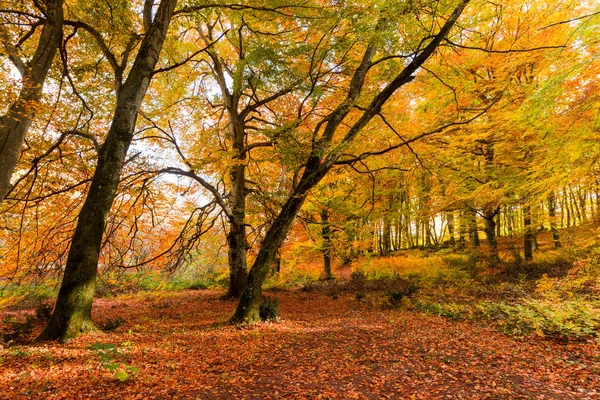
(322, 348)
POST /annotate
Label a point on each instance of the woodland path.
(322, 348)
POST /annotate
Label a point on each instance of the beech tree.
(326, 152)
(15, 122)
(72, 313)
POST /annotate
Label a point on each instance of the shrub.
(395, 296)
(358, 276)
(269, 308)
(569, 320)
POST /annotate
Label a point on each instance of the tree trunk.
(72, 313)
(528, 243)
(248, 305)
(324, 154)
(236, 239)
(498, 224)
(552, 215)
(326, 234)
(489, 217)
(237, 247)
(473, 231)
(386, 242)
(450, 224)
(577, 212)
(462, 230)
(14, 124)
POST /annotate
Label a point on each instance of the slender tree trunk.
(72, 313)
(462, 230)
(552, 215)
(566, 207)
(427, 229)
(247, 309)
(14, 124)
(473, 231)
(499, 224)
(450, 224)
(528, 243)
(575, 206)
(489, 217)
(582, 195)
(326, 234)
(597, 192)
(386, 242)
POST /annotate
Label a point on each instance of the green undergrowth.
(27, 294)
(115, 283)
(553, 297)
(556, 297)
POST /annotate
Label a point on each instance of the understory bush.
(564, 321)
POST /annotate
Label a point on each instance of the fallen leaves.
(322, 348)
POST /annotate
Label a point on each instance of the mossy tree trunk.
(14, 124)
(326, 235)
(72, 313)
(325, 154)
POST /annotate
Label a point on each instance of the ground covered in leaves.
(178, 345)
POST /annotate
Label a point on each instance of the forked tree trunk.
(72, 313)
(323, 157)
(248, 306)
(14, 124)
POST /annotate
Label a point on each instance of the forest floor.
(178, 345)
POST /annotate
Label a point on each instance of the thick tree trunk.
(248, 305)
(236, 238)
(72, 313)
(14, 125)
(237, 246)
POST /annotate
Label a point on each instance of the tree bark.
(14, 124)
(529, 237)
(72, 313)
(473, 230)
(323, 157)
(326, 235)
(552, 215)
(489, 215)
(450, 225)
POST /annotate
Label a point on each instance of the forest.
(215, 199)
